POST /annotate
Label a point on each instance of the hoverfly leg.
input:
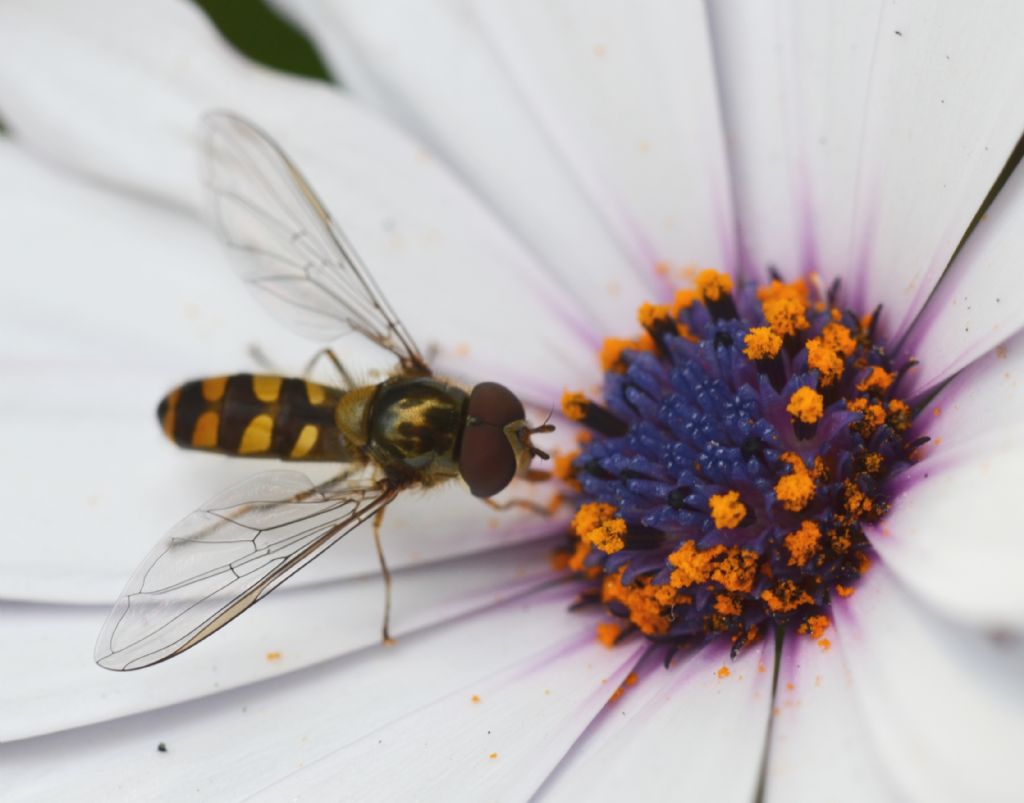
(528, 504)
(346, 379)
(385, 636)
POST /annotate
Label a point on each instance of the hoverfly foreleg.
(386, 574)
(346, 379)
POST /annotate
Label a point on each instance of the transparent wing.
(225, 557)
(289, 251)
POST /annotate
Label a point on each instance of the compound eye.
(486, 460)
(495, 404)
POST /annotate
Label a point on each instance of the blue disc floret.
(742, 442)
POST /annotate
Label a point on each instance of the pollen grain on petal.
(608, 633)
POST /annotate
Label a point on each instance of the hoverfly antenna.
(545, 427)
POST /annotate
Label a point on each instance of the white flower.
(567, 149)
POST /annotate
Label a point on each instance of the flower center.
(742, 443)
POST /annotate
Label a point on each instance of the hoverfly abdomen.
(255, 416)
(414, 427)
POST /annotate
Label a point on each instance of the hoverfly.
(411, 430)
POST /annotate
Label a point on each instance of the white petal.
(627, 94)
(865, 136)
(50, 683)
(820, 747)
(593, 128)
(980, 301)
(952, 534)
(943, 705)
(456, 276)
(232, 745)
(677, 729)
(111, 303)
(527, 718)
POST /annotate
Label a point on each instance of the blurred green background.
(264, 36)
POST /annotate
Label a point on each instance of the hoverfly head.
(496, 443)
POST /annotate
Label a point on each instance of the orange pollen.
(630, 680)
(795, 490)
(873, 462)
(806, 405)
(650, 315)
(803, 543)
(855, 500)
(563, 468)
(899, 415)
(878, 380)
(838, 338)
(873, 414)
(684, 300)
(613, 349)
(815, 626)
(762, 343)
(577, 561)
(727, 510)
(786, 315)
(733, 568)
(776, 289)
(727, 606)
(595, 523)
(574, 405)
(786, 596)
(824, 360)
(712, 285)
(723, 672)
(644, 601)
(844, 591)
(608, 633)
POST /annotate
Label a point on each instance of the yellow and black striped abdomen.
(255, 416)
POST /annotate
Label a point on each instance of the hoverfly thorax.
(413, 427)
(495, 440)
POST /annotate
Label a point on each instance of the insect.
(411, 430)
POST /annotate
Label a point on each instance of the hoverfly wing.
(293, 256)
(225, 557)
